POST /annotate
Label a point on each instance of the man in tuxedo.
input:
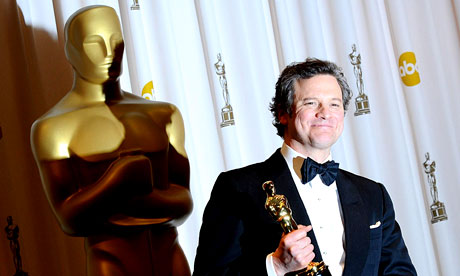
(344, 219)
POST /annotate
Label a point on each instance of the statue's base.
(313, 269)
(438, 212)
(227, 116)
(362, 105)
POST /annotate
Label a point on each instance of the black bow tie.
(327, 171)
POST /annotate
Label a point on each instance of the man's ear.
(283, 117)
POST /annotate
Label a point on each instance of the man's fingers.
(306, 228)
(303, 257)
(298, 235)
(295, 250)
(301, 246)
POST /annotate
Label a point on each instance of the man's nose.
(323, 112)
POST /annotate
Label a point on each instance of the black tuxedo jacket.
(238, 233)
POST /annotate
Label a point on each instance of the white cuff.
(269, 265)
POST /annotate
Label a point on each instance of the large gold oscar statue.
(279, 209)
(112, 164)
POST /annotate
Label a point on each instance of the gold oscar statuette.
(113, 165)
(278, 207)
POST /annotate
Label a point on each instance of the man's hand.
(294, 251)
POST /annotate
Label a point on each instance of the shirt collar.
(295, 160)
(290, 154)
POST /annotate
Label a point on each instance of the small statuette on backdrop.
(135, 5)
(12, 234)
(227, 110)
(437, 208)
(278, 207)
(361, 101)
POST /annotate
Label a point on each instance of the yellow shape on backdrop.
(408, 69)
(147, 91)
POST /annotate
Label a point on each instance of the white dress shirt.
(324, 210)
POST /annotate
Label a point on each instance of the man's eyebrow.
(308, 99)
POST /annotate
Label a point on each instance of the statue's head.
(269, 188)
(94, 43)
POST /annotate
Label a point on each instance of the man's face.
(96, 46)
(317, 116)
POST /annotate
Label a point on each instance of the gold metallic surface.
(278, 207)
(113, 165)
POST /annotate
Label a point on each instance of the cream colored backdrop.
(410, 61)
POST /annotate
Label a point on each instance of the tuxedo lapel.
(277, 170)
(356, 225)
